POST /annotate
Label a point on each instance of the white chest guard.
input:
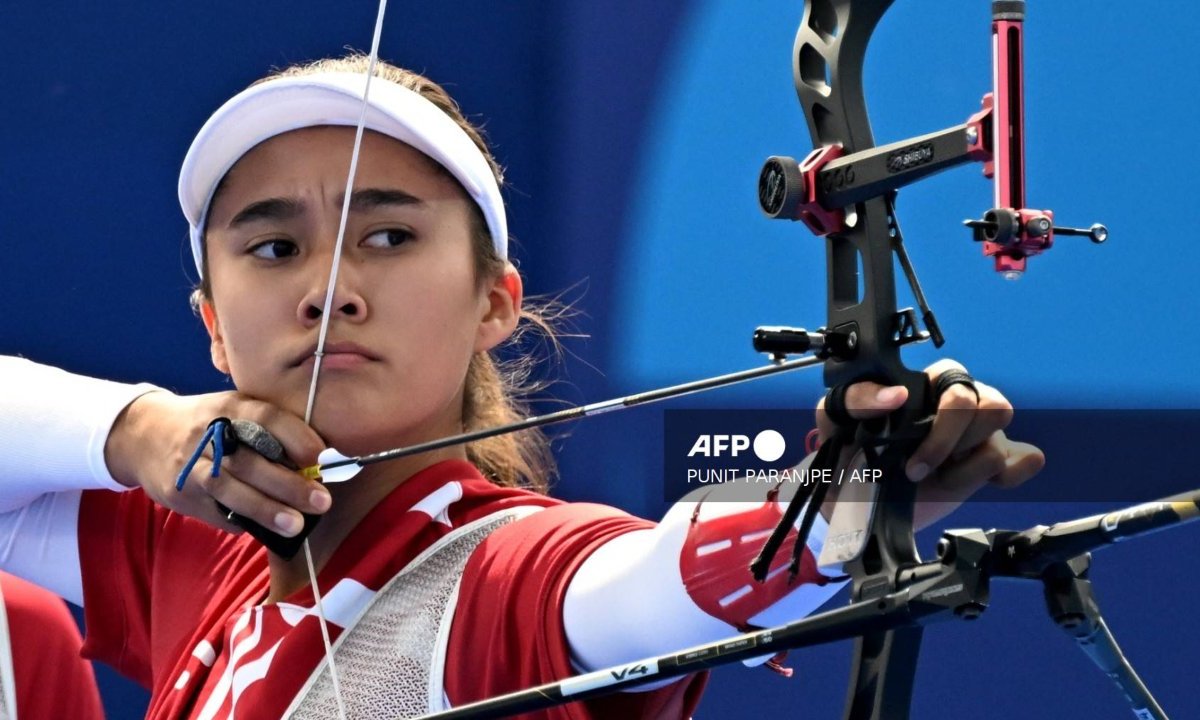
(391, 660)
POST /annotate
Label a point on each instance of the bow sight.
(822, 189)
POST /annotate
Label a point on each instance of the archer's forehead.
(310, 166)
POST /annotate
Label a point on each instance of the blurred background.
(632, 134)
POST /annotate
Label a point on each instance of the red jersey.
(178, 605)
(52, 680)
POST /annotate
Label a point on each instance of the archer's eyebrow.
(280, 208)
(375, 198)
(269, 209)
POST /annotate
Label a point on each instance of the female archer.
(431, 581)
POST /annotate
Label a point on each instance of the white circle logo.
(769, 445)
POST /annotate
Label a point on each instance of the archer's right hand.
(155, 435)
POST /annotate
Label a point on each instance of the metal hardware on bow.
(844, 191)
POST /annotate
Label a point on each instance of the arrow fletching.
(332, 467)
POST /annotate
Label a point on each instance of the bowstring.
(326, 312)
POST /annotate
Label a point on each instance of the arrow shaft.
(581, 411)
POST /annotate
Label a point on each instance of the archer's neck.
(352, 501)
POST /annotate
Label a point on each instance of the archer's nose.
(346, 305)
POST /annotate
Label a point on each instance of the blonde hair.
(494, 390)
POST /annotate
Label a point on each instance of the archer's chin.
(352, 431)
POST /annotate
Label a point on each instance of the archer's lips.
(338, 355)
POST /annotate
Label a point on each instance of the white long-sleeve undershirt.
(53, 427)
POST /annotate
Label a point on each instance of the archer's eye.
(390, 238)
(275, 249)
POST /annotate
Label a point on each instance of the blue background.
(633, 133)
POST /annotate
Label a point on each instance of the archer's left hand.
(966, 448)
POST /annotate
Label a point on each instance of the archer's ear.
(209, 315)
(501, 309)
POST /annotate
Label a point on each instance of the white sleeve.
(40, 542)
(634, 582)
(53, 427)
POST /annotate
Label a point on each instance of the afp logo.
(710, 446)
(768, 445)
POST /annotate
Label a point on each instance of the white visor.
(277, 106)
